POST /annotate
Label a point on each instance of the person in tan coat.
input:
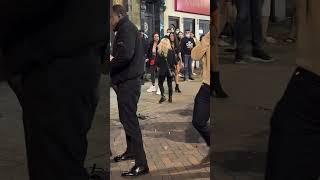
(201, 113)
(294, 143)
(216, 85)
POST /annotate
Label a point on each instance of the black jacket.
(165, 63)
(128, 62)
(38, 31)
(150, 54)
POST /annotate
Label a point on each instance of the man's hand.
(147, 60)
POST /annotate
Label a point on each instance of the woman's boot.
(217, 88)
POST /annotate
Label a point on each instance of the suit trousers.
(128, 95)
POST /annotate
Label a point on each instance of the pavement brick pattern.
(174, 149)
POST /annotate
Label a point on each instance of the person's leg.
(266, 10)
(256, 25)
(161, 87)
(177, 88)
(294, 147)
(186, 67)
(128, 97)
(153, 75)
(242, 26)
(258, 53)
(190, 67)
(59, 102)
(201, 113)
(170, 89)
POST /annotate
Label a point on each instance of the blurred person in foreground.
(249, 27)
(216, 85)
(294, 142)
(127, 68)
(54, 71)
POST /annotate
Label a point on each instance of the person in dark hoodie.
(127, 68)
(51, 55)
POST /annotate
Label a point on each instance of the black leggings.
(169, 81)
(201, 113)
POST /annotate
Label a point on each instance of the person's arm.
(199, 51)
(125, 48)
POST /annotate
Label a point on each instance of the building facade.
(188, 15)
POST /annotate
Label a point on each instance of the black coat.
(150, 54)
(34, 32)
(128, 62)
(165, 63)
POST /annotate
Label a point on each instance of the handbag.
(171, 72)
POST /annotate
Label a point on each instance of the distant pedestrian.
(152, 57)
(187, 44)
(176, 47)
(248, 27)
(166, 63)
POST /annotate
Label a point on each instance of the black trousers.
(201, 113)
(248, 24)
(128, 94)
(161, 80)
(294, 144)
(58, 102)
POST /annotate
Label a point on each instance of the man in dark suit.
(51, 56)
(127, 68)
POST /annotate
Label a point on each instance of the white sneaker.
(194, 74)
(152, 89)
(158, 91)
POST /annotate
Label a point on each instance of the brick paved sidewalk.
(174, 149)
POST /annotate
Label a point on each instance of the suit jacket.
(38, 31)
(128, 62)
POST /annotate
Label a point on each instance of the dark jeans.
(161, 80)
(128, 94)
(59, 102)
(201, 112)
(152, 70)
(294, 144)
(248, 24)
(187, 66)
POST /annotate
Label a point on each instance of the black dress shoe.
(136, 171)
(124, 157)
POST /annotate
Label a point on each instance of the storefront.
(145, 14)
(188, 15)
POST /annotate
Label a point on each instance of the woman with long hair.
(175, 46)
(152, 56)
(166, 64)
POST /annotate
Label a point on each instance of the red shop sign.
(193, 6)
